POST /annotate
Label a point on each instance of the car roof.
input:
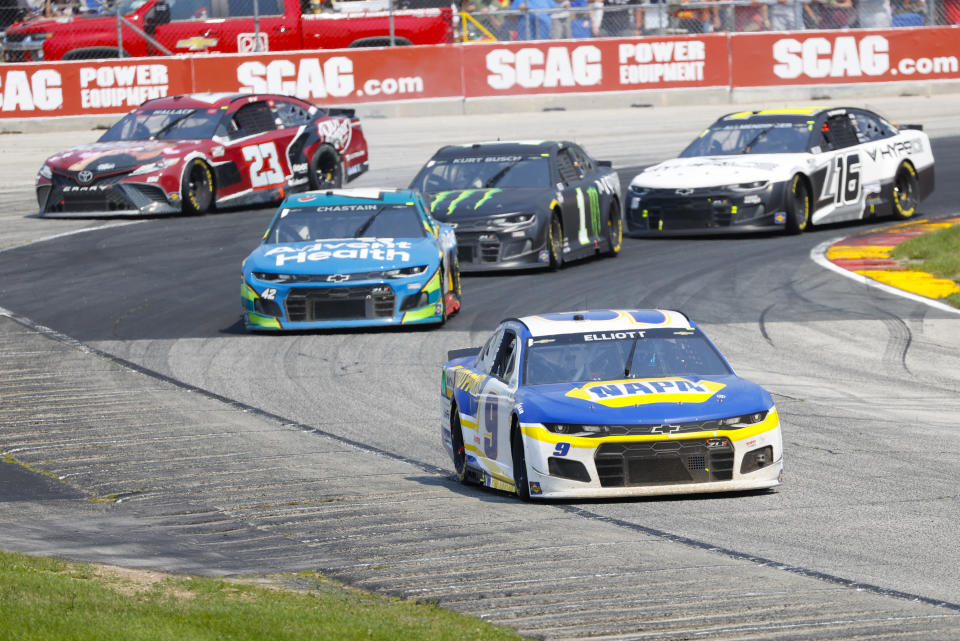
(205, 100)
(350, 196)
(604, 320)
(497, 147)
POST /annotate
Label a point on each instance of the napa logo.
(630, 392)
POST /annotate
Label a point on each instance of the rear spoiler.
(342, 111)
(917, 127)
(462, 353)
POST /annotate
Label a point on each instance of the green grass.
(43, 599)
(936, 253)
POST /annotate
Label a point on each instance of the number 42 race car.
(606, 403)
(782, 170)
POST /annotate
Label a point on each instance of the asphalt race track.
(260, 453)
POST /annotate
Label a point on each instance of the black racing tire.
(798, 205)
(554, 241)
(326, 169)
(520, 479)
(459, 448)
(196, 188)
(443, 298)
(614, 230)
(905, 189)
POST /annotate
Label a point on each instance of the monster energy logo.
(594, 210)
(460, 198)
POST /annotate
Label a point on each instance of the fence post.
(256, 26)
(393, 41)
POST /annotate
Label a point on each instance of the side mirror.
(159, 14)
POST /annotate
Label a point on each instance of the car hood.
(672, 399)
(712, 171)
(342, 256)
(50, 25)
(466, 204)
(121, 155)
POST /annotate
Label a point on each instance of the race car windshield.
(484, 172)
(729, 139)
(164, 124)
(317, 222)
(608, 356)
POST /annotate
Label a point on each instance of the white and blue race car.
(351, 258)
(606, 403)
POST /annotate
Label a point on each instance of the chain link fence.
(93, 29)
(545, 19)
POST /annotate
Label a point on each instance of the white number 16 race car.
(784, 169)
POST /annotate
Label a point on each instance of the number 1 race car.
(520, 205)
(606, 403)
(783, 170)
(189, 154)
(351, 258)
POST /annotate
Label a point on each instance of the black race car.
(516, 205)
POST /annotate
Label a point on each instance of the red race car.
(192, 153)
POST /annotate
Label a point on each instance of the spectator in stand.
(873, 14)
(561, 21)
(653, 20)
(751, 17)
(830, 14)
(692, 20)
(616, 19)
(786, 15)
(908, 13)
(951, 11)
(480, 10)
(579, 20)
(533, 24)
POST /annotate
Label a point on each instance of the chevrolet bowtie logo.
(337, 278)
(664, 429)
(196, 43)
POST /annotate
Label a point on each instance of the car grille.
(478, 248)
(663, 463)
(66, 194)
(305, 304)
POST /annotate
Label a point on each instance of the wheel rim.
(198, 187)
(328, 175)
(801, 204)
(459, 450)
(615, 232)
(556, 240)
(905, 193)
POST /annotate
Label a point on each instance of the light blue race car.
(606, 403)
(351, 258)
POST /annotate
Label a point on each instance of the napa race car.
(782, 170)
(519, 205)
(351, 258)
(606, 403)
(193, 153)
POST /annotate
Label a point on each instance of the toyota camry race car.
(518, 205)
(606, 403)
(189, 154)
(783, 170)
(351, 258)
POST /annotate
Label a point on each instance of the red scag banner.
(74, 88)
(810, 58)
(346, 76)
(507, 69)
(356, 76)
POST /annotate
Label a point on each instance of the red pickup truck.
(221, 26)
